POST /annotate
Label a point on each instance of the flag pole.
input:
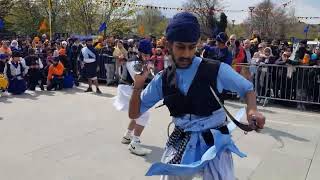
(50, 20)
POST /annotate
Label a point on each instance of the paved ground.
(75, 136)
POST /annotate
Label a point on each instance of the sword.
(245, 127)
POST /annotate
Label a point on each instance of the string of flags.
(122, 4)
(304, 17)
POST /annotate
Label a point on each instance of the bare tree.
(5, 7)
(269, 20)
(206, 12)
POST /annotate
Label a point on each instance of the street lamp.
(251, 8)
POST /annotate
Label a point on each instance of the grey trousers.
(110, 72)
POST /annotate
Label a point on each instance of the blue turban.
(3, 56)
(222, 37)
(145, 46)
(184, 27)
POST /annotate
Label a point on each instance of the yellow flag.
(141, 30)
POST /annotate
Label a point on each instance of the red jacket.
(239, 59)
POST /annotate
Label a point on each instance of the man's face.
(183, 53)
(145, 57)
(89, 43)
(220, 44)
(104, 43)
(247, 44)
(16, 59)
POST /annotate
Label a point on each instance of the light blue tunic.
(197, 154)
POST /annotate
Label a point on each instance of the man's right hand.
(139, 79)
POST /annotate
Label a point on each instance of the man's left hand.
(257, 117)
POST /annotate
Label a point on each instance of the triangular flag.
(102, 27)
(306, 29)
(1, 24)
(43, 26)
(141, 30)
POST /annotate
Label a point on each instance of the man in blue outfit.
(201, 143)
(220, 52)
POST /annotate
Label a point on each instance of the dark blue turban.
(145, 46)
(222, 37)
(3, 56)
(184, 27)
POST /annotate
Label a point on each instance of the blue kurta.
(197, 154)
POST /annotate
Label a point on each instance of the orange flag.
(141, 30)
(43, 26)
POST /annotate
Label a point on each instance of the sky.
(302, 7)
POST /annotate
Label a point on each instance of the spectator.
(55, 75)
(34, 72)
(275, 49)
(232, 45)
(239, 56)
(158, 59)
(220, 52)
(89, 57)
(15, 72)
(121, 56)
(5, 49)
(14, 46)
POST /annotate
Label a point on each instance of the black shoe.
(42, 87)
(88, 90)
(98, 91)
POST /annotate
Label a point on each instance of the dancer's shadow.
(106, 95)
(1, 118)
(279, 135)
(236, 106)
(155, 155)
(74, 90)
(5, 100)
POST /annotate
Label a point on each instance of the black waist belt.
(179, 140)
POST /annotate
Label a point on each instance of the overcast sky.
(302, 7)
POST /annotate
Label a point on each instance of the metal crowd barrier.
(289, 83)
(106, 62)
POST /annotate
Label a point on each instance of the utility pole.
(233, 21)
(50, 19)
(251, 8)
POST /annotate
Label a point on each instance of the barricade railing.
(106, 63)
(289, 83)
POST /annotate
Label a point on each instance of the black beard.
(174, 60)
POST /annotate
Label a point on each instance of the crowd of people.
(60, 64)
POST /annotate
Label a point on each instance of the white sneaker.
(126, 139)
(135, 148)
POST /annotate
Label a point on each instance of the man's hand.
(139, 79)
(254, 117)
(257, 118)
